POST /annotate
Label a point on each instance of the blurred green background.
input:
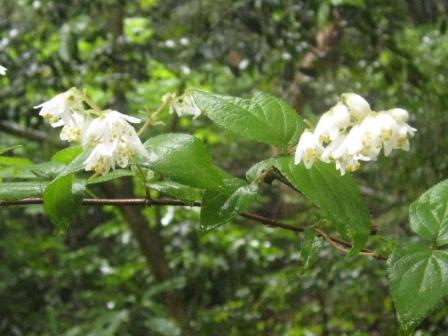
(240, 279)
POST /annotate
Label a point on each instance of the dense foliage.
(166, 269)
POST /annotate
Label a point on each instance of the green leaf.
(337, 195)
(429, 214)
(60, 202)
(259, 168)
(48, 170)
(310, 247)
(356, 3)
(263, 118)
(184, 159)
(10, 191)
(115, 174)
(179, 191)
(76, 164)
(15, 161)
(220, 206)
(67, 155)
(4, 149)
(418, 277)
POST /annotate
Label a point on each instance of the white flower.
(72, 130)
(348, 143)
(358, 107)
(366, 141)
(347, 164)
(185, 105)
(334, 147)
(58, 110)
(399, 114)
(395, 131)
(331, 123)
(100, 160)
(114, 140)
(112, 126)
(308, 150)
(2, 70)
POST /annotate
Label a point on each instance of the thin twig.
(153, 116)
(339, 244)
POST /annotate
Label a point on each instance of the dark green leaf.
(309, 248)
(60, 202)
(179, 191)
(115, 174)
(337, 195)
(429, 215)
(259, 168)
(18, 190)
(418, 277)
(184, 159)
(263, 118)
(220, 206)
(4, 149)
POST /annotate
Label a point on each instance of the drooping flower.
(2, 70)
(331, 123)
(185, 105)
(114, 140)
(59, 109)
(358, 107)
(73, 129)
(308, 150)
(351, 132)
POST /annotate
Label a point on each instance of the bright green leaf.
(184, 159)
(418, 277)
(12, 161)
(67, 155)
(429, 215)
(263, 118)
(337, 195)
(76, 164)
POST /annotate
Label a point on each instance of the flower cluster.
(351, 132)
(110, 135)
(2, 70)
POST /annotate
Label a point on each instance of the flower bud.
(358, 107)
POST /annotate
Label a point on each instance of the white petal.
(357, 105)
(399, 114)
